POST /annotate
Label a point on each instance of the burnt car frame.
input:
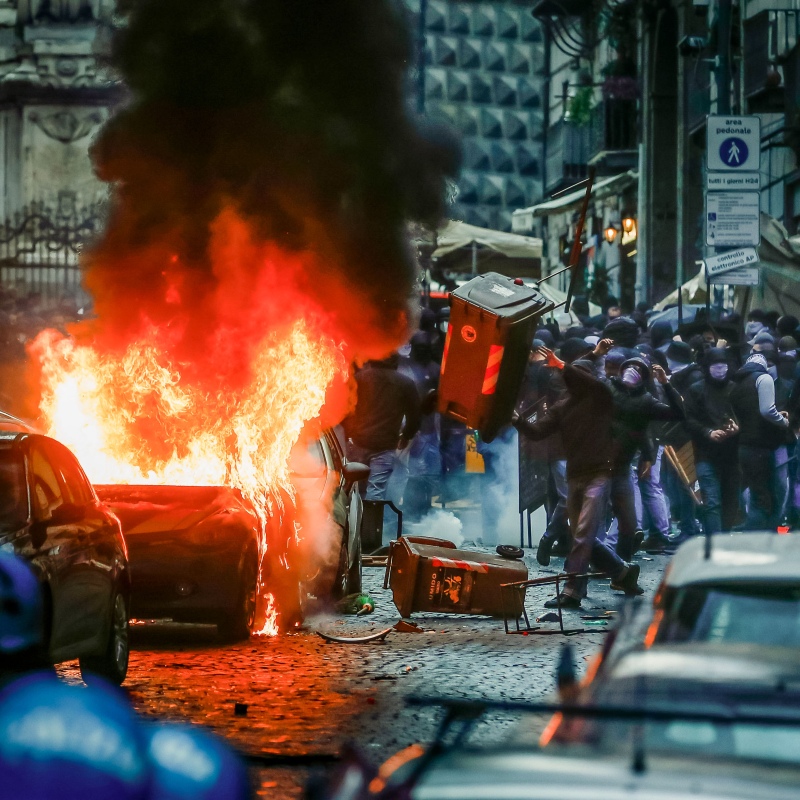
(52, 518)
(194, 550)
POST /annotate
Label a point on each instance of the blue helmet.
(21, 607)
(189, 763)
(60, 742)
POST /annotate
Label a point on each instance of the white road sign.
(733, 219)
(717, 265)
(733, 143)
(744, 276)
(733, 181)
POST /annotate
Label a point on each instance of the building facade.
(629, 86)
(483, 65)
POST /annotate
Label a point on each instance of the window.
(737, 614)
(308, 460)
(77, 488)
(47, 495)
(13, 492)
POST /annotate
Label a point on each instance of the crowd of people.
(657, 435)
(653, 432)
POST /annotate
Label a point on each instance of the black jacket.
(583, 418)
(708, 408)
(634, 409)
(385, 398)
(755, 430)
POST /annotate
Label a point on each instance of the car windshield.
(762, 615)
(13, 494)
(735, 740)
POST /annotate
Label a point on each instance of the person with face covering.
(584, 420)
(712, 424)
(634, 409)
(761, 441)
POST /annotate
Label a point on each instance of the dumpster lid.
(501, 295)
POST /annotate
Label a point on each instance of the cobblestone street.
(306, 697)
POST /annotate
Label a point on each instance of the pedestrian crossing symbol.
(733, 152)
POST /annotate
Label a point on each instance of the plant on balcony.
(619, 80)
(580, 106)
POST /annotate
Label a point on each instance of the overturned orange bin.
(427, 574)
(492, 320)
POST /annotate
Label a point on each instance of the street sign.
(732, 181)
(733, 143)
(717, 265)
(733, 219)
(744, 276)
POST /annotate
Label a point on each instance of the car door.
(350, 505)
(59, 545)
(94, 549)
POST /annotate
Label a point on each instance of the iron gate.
(40, 249)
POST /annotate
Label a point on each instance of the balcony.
(567, 154)
(763, 48)
(613, 143)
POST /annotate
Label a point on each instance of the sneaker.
(563, 601)
(655, 544)
(543, 551)
(562, 547)
(630, 583)
(676, 541)
(638, 539)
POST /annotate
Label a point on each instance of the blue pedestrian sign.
(733, 143)
(734, 152)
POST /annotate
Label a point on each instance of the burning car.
(196, 552)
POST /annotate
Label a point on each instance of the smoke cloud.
(265, 165)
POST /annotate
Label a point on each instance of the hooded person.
(623, 331)
(711, 422)
(544, 388)
(787, 358)
(386, 418)
(762, 441)
(585, 415)
(756, 323)
(787, 325)
(661, 335)
(635, 408)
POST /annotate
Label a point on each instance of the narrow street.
(306, 697)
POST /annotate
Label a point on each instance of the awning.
(455, 235)
(779, 264)
(522, 218)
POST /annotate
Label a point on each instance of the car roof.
(737, 557)
(708, 662)
(527, 774)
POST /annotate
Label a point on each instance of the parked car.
(630, 766)
(194, 550)
(756, 687)
(746, 592)
(51, 517)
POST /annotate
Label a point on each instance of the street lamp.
(610, 233)
(628, 224)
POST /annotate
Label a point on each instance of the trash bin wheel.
(509, 551)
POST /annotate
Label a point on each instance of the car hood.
(152, 509)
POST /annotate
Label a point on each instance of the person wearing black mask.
(634, 409)
(584, 420)
(715, 436)
(763, 434)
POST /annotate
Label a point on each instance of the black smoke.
(293, 113)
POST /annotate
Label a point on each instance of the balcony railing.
(613, 128)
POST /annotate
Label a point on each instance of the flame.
(136, 418)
